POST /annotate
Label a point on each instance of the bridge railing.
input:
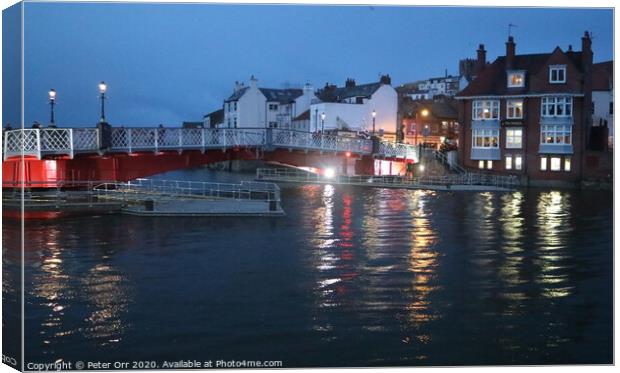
(69, 141)
(317, 141)
(398, 150)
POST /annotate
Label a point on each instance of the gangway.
(155, 197)
(453, 182)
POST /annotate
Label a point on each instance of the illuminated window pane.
(481, 164)
(556, 163)
(543, 163)
(567, 164)
(518, 162)
(489, 165)
(509, 162)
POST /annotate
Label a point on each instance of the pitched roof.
(283, 96)
(492, 79)
(216, 116)
(334, 94)
(303, 116)
(602, 76)
(237, 94)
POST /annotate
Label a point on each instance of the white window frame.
(556, 134)
(513, 73)
(518, 162)
(555, 164)
(556, 106)
(511, 109)
(482, 134)
(511, 138)
(480, 109)
(567, 164)
(508, 163)
(543, 163)
(557, 69)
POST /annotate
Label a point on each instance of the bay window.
(557, 107)
(485, 138)
(485, 109)
(556, 134)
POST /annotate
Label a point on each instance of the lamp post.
(102, 89)
(374, 116)
(52, 95)
(322, 122)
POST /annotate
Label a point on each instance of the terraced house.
(528, 115)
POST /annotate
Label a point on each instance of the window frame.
(510, 104)
(478, 107)
(482, 134)
(508, 162)
(558, 165)
(567, 164)
(557, 69)
(512, 144)
(549, 106)
(518, 166)
(543, 163)
(556, 132)
(515, 73)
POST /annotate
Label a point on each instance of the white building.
(252, 107)
(446, 86)
(351, 107)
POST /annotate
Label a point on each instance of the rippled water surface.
(349, 277)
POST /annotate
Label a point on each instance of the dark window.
(611, 108)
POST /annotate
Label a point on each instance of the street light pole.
(102, 89)
(52, 95)
(374, 116)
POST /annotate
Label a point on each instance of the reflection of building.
(429, 121)
(529, 115)
(251, 106)
(351, 107)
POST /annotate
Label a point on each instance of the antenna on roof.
(510, 26)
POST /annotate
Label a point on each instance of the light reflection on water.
(351, 276)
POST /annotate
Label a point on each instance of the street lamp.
(322, 122)
(374, 116)
(102, 89)
(52, 95)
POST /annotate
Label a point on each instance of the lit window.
(518, 162)
(567, 164)
(488, 138)
(514, 138)
(543, 163)
(556, 134)
(485, 109)
(516, 79)
(557, 74)
(556, 163)
(489, 165)
(481, 164)
(514, 109)
(557, 107)
(509, 162)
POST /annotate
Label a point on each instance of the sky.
(168, 63)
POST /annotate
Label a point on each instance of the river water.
(349, 277)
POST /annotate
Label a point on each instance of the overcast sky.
(165, 63)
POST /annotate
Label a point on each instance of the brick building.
(528, 115)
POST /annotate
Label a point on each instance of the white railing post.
(38, 133)
(128, 138)
(71, 150)
(202, 138)
(156, 136)
(6, 136)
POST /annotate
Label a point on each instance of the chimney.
(510, 53)
(586, 50)
(308, 88)
(570, 47)
(238, 85)
(482, 59)
(349, 83)
(385, 79)
(253, 82)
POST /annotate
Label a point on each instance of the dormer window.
(516, 79)
(557, 74)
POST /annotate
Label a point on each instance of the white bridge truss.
(40, 142)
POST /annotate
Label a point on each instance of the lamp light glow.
(102, 87)
(329, 173)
